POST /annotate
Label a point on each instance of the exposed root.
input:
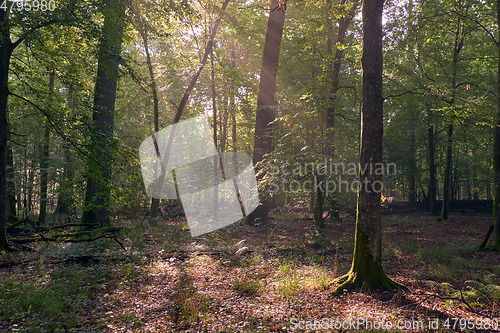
(380, 281)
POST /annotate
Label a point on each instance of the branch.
(461, 300)
(412, 91)
(479, 24)
(16, 143)
(31, 31)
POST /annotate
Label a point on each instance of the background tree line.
(83, 85)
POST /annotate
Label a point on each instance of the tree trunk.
(6, 49)
(98, 193)
(225, 116)
(11, 186)
(334, 69)
(155, 203)
(232, 104)
(44, 161)
(459, 42)
(432, 165)
(65, 198)
(412, 191)
(194, 79)
(496, 154)
(214, 96)
(447, 174)
(366, 270)
(266, 102)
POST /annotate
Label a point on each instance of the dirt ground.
(274, 278)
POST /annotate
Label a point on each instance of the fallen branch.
(487, 237)
(447, 298)
(74, 237)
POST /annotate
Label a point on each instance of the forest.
(249, 166)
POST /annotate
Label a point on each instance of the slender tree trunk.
(223, 139)
(11, 186)
(65, 197)
(488, 190)
(366, 270)
(496, 154)
(412, 191)
(214, 97)
(232, 105)
(6, 48)
(155, 203)
(194, 79)
(44, 161)
(266, 102)
(432, 165)
(334, 68)
(459, 42)
(447, 173)
(98, 193)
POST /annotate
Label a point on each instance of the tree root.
(377, 281)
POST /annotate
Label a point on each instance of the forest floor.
(255, 279)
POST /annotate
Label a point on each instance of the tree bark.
(194, 79)
(155, 203)
(334, 69)
(366, 270)
(432, 165)
(65, 198)
(496, 154)
(98, 193)
(11, 186)
(459, 42)
(232, 104)
(214, 96)
(412, 190)
(6, 48)
(447, 173)
(44, 161)
(266, 103)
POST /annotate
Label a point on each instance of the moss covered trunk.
(366, 270)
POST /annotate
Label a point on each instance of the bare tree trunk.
(44, 161)
(232, 106)
(412, 190)
(223, 139)
(496, 154)
(214, 96)
(65, 197)
(6, 48)
(155, 203)
(459, 42)
(266, 102)
(334, 68)
(98, 193)
(366, 270)
(11, 186)
(432, 165)
(194, 79)
(447, 173)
